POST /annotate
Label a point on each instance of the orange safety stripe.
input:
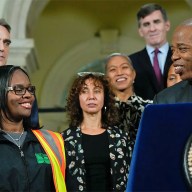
(48, 139)
(59, 142)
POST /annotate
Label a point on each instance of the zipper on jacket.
(25, 165)
(21, 152)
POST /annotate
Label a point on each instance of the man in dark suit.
(153, 26)
(182, 61)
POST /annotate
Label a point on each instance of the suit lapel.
(147, 65)
(168, 63)
(149, 69)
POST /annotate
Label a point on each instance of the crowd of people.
(31, 159)
(104, 110)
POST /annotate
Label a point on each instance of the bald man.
(182, 61)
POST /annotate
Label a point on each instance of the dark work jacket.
(31, 172)
(179, 93)
(146, 85)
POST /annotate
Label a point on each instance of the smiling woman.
(21, 147)
(172, 78)
(121, 76)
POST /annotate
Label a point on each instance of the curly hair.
(110, 113)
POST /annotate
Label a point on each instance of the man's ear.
(140, 32)
(167, 25)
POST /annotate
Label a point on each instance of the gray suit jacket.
(178, 93)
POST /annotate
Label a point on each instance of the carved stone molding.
(22, 53)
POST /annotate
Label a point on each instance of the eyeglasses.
(21, 90)
(81, 74)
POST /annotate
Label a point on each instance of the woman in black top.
(97, 152)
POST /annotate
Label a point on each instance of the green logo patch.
(42, 158)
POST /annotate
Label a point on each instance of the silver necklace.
(16, 140)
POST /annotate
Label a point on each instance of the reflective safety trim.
(60, 148)
(53, 145)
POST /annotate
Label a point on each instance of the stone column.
(22, 53)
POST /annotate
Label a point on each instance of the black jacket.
(146, 85)
(29, 173)
(179, 93)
